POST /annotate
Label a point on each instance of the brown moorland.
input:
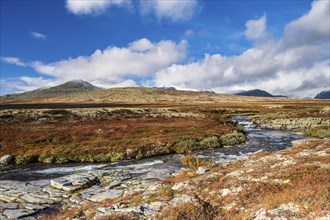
(109, 125)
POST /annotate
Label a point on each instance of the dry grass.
(195, 162)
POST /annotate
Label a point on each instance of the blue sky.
(225, 46)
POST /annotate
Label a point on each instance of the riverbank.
(287, 184)
(33, 190)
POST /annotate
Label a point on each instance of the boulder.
(7, 159)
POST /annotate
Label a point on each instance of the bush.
(26, 158)
(210, 142)
(46, 159)
(186, 144)
(232, 138)
(194, 162)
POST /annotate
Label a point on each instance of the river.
(257, 139)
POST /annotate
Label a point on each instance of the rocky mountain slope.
(323, 95)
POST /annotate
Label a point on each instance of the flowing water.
(257, 139)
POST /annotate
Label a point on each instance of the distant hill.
(323, 95)
(68, 88)
(255, 92)
(166, 88)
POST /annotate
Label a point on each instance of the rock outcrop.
(7, 159)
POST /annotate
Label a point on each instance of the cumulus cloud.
(25, 83)
(140, 59)
(287, 66)
(312, 28)
(81, 7)
(176, 10)
(13, 60)
(256, 29)
(38, 36)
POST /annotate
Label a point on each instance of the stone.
(7, 205)
(88, 193)
(59, 183)
(135, 209)
(179, 200)
(7, 159)
(33, 206)
(152, 208)
(7, 198)
(53, 192)
(76, 199)
(74, 182)
(180, 186)
(36, 200)
(114, 184)
(72, 188)
(202, 170)
(110, 194)
(18, 213)
(104, 211)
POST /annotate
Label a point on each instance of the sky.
(221, 45)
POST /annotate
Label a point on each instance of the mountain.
(255, 92)
(70, 87)
(165, 87)
(323, 95)
(74, 86)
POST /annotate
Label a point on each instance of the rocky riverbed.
(29, 191)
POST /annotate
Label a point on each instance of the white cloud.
(256, 29)
(297, 64)
(38, 36)
(141, 58)
(13, 60)
(189, 33)
(81, 7)
(125, 83)
(312, 28)
(176, 10)
(25, 83)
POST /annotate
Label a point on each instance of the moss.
(319, 132)
(46, 159)
(26, 158)
(186, 144)
(210, 142)
(232, 138)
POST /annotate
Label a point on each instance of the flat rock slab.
(54, 193)
(36, 200)
(109, 194)
(6, 205)
(33, 206)
(18, 213)
(74, 182)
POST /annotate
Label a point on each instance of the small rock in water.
(202, 170)
(7, 159)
